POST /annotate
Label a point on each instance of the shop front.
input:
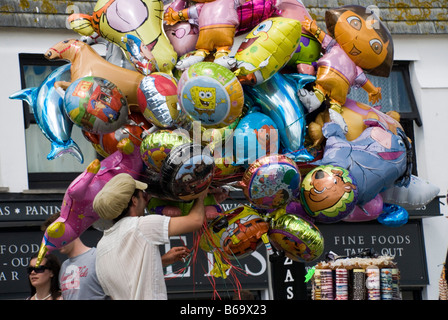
(21, 216)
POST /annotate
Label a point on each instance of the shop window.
(44, 173)
(397, 96)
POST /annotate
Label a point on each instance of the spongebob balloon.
(210, 93)
(267, 49)
(116, 20)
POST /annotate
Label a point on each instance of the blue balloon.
(377, 159)
(277, 98)
(256, 135)
(393, 215)
(49, 113)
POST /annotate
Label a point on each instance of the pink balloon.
(253, 12)
(77, 213)
(293, 9)
(183, 36)
(372, 210)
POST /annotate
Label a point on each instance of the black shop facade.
(22, 214)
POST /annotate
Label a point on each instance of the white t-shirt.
(128, 262)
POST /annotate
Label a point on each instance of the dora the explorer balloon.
(357, 43)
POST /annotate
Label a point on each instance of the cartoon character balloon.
(298, 238)
(354, 114)
(156, 146)
(271, 182)
(96, 105)
(211, 94)
(77, 213)
(237, 232)
(115, 19)
(140, 56)
(256, 135)
(187, 172)
(85, 61)
(183, 35)
(217, 21)
(357, 43)
(377, 159)
(267, 49)
(309, 51)
(328, 193)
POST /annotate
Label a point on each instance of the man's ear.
(134, 200)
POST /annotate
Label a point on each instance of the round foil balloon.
(157, 99)
(96, 105)
(328, 193)
(271, 182)
(106, 144)
(156, 146)
(301, 240)
(211, 94)
(237, 232)
(187, 171)
(255, 136)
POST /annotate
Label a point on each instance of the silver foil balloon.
(49, 113)
(277, 98)
(157, 99)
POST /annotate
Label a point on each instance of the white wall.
(430, 85)
(429, 81)
(13, 160)
(13, 168)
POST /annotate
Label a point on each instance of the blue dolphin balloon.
(49, 113)
(277, 98)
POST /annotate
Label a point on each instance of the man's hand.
(175, 254)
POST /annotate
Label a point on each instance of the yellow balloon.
(237, 233)
(56, 229)
(113, 20)
(267, 48)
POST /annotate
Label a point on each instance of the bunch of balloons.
(272, 119)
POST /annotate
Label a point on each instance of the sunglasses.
(39, 269)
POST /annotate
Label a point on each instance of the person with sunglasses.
(44, 280)
(129, 264)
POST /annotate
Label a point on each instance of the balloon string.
(131, 134)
